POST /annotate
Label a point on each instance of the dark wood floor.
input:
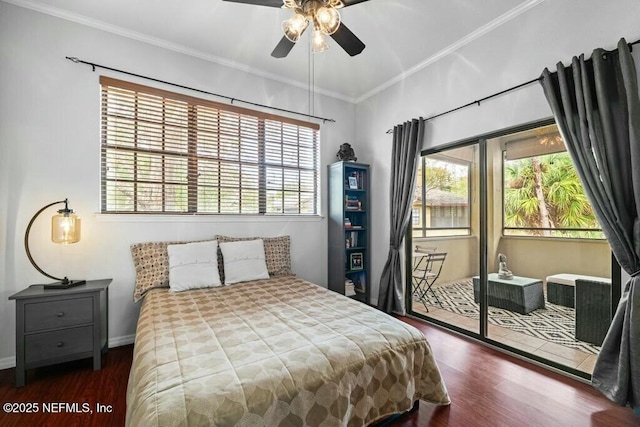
(487, 388)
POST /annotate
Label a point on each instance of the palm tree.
(545, 192)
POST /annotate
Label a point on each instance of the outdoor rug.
(553, 323)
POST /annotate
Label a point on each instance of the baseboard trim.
(10, 362)
(120, 341)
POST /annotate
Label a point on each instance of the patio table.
(520, 294)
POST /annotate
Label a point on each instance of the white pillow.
(244, 261)
(193, 266)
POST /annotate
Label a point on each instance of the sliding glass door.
(525, 265)
(444, 253)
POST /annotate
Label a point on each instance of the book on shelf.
(351, 240)
(352, 204)
(349, 288)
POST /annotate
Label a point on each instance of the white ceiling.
(401, 36)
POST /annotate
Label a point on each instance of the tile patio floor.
(564, 355)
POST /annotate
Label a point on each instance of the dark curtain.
(595, 104)
(407, 141)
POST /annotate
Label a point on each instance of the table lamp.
(65, 229)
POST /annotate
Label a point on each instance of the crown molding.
(490, 26)
(144, 38)
(83, 20)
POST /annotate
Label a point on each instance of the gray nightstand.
(59, 325)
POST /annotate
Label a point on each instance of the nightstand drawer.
(50, 345)
(59, 325)
(39, 316)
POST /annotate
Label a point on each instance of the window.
(543, 195)
(416, 216)
(164, 152)
(441, 198)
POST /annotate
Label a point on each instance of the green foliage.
(444, 176)
(563, 196)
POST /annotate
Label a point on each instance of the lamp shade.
(65, 228)
(328, 19)
(318, 43)
(294, 27)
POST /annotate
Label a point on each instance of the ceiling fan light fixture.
(324, 19)
(290, 4)
(328, 19)
(294, 27)
(318, 43)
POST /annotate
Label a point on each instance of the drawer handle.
(60, 314)
(60, 344)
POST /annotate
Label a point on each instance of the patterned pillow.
(276, 251)
(151, 261)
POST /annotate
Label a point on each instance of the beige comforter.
(273, 353)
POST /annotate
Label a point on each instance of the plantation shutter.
(170, 153)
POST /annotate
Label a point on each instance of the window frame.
(423, 219)
(283, 140)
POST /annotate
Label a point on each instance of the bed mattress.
(273, 352)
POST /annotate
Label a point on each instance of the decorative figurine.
(503, 271)
(346, 153)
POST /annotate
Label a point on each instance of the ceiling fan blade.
(283, 48)
(352, 2)
(347, 40)
(270, 3)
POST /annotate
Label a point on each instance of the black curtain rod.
(94, 66)
(477, 102)
(502, 92)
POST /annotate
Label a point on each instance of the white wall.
(516, 52)
(49, 150)
(554, 256)
(49, 124)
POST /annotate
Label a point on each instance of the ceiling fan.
(325, 19)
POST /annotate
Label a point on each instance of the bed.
(279, 351)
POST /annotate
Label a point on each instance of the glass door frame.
(481, 143)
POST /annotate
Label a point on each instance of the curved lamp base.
(63, 283)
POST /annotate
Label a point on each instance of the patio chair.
(593, 310)
(426, 271)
